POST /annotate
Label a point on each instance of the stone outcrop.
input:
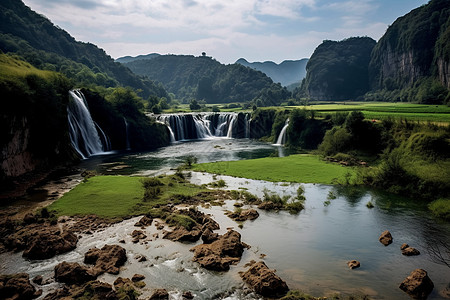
(181, 234)
(264, 281)
(220, 254)
(159, 294)
(138, 235)
(208, 236)
(90, 290)
(269, 205)
(409, 251)
(73, 273)
(108, 259)
(353, 264)
(48, 243)
(385, 238)
(418, 285)
(144, 221)
(18, 287)
(248, 214)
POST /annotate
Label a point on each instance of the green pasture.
(304, 168)
(118, 196)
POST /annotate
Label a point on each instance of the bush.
(440, 208)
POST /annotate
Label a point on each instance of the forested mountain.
(411, 62)
(126, 59)
(41, 43)
(338, 70)
(286, 73)
(204, 78)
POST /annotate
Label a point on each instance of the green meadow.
(380, 110)
(304, 168)
(116, 197)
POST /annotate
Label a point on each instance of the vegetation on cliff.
(203, 78)
(33, 106)
(338, 70)
(405, 62)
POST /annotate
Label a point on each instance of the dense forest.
(203, 78)
(45, 46)
(338, 70)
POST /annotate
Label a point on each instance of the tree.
(194, 105)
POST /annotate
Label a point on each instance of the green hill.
(339, 70)
(46, 46)
(204, 78)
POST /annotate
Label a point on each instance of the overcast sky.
(257, 30)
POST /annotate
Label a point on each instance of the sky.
(257, 30)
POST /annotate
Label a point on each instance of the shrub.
(440, 208)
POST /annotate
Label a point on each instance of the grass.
(117, 197)
(381, 110)
(304, 168)
(14, 67)
(440, 208)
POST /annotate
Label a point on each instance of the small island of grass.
(303, 168)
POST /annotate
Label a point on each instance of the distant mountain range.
(127, 59)
(288, 72)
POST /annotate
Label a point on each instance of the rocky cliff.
(414, 47)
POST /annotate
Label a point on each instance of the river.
(309, 250)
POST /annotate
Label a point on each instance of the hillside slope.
(204, 78)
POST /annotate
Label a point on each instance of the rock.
(73, 273)
(144, 221)
(137, 277)
(120, 282)
(29, 218)
(38, 279)
(269, 205)
(404, 246)
(410, 251)
(352, 264)
(187, 295)
(264, 281)
(385, 238)
(48, 243)
(417, 284)
(248, 214)
(159, 294)
(17, 286)
(90, 290)
(138, 235)
(218, 256)
(181, 234)
(141, 258)
(208, 236)
(108, 259)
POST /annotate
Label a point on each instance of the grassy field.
(380, 110)
(304, 168)
(117, 196)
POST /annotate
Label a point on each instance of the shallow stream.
(309, 250)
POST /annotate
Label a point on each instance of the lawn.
(118, 196)
(304, 168)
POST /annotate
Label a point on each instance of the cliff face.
(413, 48)
(16, 159)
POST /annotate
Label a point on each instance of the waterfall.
(282, 137)
(126, 134)
(188, 126)
(83, 131)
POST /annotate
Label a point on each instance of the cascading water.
(83, 131)
(282, 137)
(126, 134)
(206, 125)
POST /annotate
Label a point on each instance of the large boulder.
(220, 254)
(418, 285)
(94, 290)
(264, 281)
(248, 214)
(409, 251)
(144, 221)
(48, 243)
(73, 273)
(17, 286)
(159, 294)
(108, 259)
(385, 238)
(181, 234)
